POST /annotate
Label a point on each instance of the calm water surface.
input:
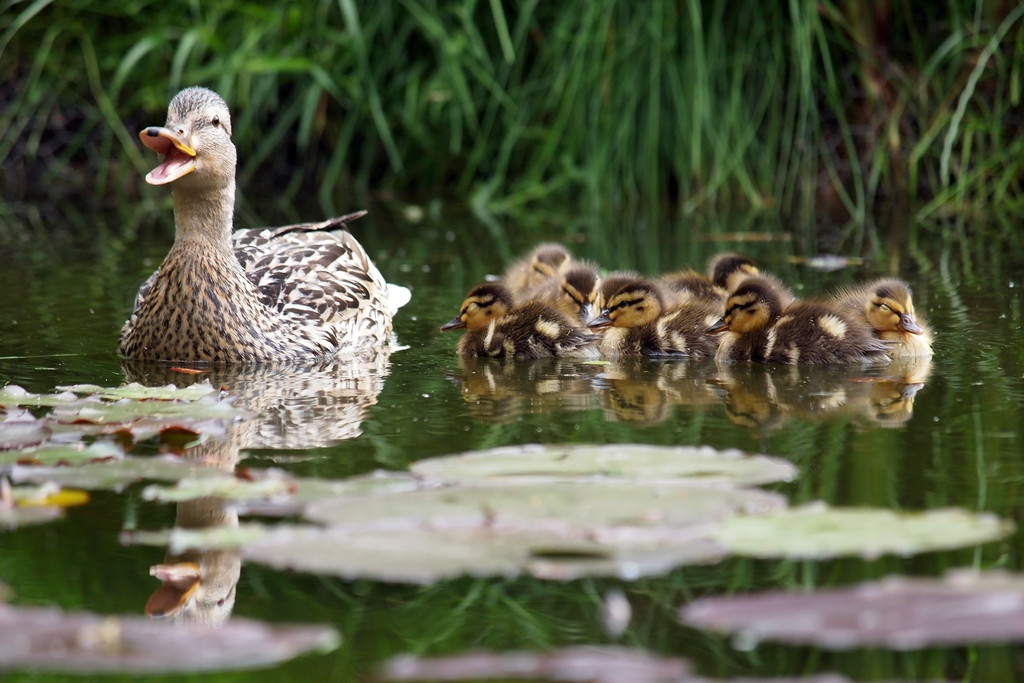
(948, 434)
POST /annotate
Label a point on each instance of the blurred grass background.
(821, 112)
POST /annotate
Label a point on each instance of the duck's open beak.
(718, 328)
(178, 582)
(907, 324)
(455, 323)
(179, 155)
(600, 322)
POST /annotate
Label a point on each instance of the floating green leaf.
(897, 613)
(117, 474)
(626, 462)
(590, 505)
(818, 532)
(54, 641)
(60, 453)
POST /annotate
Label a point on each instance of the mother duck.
(272, 294)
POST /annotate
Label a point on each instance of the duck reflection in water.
(298, 407)
(762, 397)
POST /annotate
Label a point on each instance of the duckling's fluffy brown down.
(759, 327)
(498, 328)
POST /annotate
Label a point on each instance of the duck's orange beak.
(179, 156)
(178, 582)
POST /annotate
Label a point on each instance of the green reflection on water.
(62, 308)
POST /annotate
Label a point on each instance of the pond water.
(945, 435)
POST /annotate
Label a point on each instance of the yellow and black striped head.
(753, 306)
(729, 270)
(483, 304)
(579, 293)
(637, 303)
(890, 308)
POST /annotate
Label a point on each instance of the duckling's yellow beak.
(718, 328)
(178, 582)
(179, 155)
(600, 322)
(907, 324)
(456, 323)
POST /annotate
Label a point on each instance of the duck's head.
(195, 142)
(729, 270)
(579, 292)
(753, 306)
(547, 261)
(636, 303)
(890, 308)
(483, 304)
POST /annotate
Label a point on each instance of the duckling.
(763, 328)
(498, 328)
(686, 285)
(728, 270)
(725, 272)
(545, 262)
(295, 292)
(577, 293)
(637, 321)
(612, 282)
(887, 306)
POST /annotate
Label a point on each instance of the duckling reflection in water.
(642, 391)
(497, 328)
(760, 326)
(887, 306)
(637, 322)
(497, 392)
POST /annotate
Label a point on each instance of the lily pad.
(116, 474)
(137, 391)
(49, 640)
(559, 505)
(597, 664)
(819, 532)
(613, 462)
(897, 613)
(64, 453)
(16, 516)
(427, 555)
(272, 484)
(179, 539)
(309, 489)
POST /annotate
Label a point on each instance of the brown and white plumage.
(887, 306)
(638, 321)
(496, 327)
(760, 326)
(290, 293)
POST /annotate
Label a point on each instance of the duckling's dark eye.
(885, 307)
(215, 120)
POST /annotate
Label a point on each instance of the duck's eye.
(215, 120)
(885, 307)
